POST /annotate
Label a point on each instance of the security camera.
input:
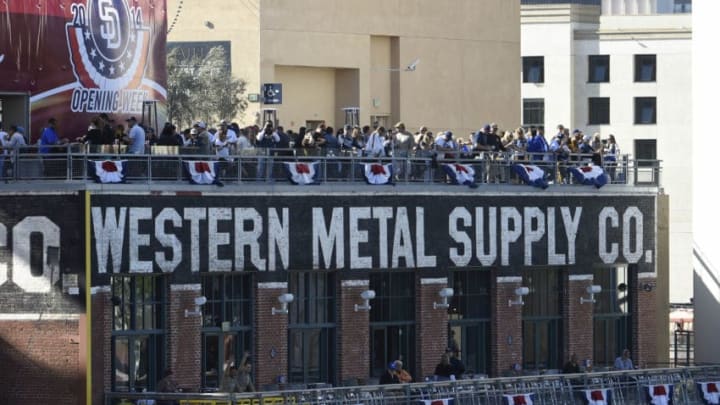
(199, 301)
(446, 292)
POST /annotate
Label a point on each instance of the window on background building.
(598, 110)
(311, 329)
(682, 6)
(392, 321)
(645, 110)
(645, 152)
(533, 69)
(542, 320)
(645, 67)
(227, 324)
(599, 68)
(533, 112)
(470, 319)
(138, 335)
(611, 315)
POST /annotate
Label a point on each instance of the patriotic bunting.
(518, 399)
(710, 393)
(600, 396)
(376, 173)
(531, 174)
(302, 172)
(442, 401)
(202, 172)
(107, 171)
(460, 174)
(661, 394)
(589, 175)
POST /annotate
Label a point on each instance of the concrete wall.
(467, 74)
(569, 34)
(706, 221)
(236, 21)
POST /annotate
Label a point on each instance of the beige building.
(331, 54)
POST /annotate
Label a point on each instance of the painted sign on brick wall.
(41, 253)
(163, 234)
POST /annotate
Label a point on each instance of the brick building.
(150, 254)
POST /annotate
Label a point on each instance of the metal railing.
(165, 164)
(623, 387)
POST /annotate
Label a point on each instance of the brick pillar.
(101, 324)
(643, 293)
(184, 349)
(577, 318)
(432, 325)
(506, 331)
(353, 331)
(271, 337)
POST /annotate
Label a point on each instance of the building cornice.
(637, 35)
(559, 14)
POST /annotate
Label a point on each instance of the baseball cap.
(131, 119)
(448, 134)
(486, 127)
(201, 124)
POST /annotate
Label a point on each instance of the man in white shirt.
(375, 146)
(136, 137)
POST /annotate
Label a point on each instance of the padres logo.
(108, 40)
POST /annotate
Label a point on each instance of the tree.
(203, 88)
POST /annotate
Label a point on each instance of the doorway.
(15, 110)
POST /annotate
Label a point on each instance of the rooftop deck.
(163, 168)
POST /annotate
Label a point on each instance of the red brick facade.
(40, 362)
(643, 294)
(353, 332)
(577, 318)
(184, 346)
(271, 354)
(431, 324)
(101, 342)
(506, 330)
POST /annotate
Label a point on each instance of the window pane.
(598, 110)
(645, 66)
(598, 68)
(534, 111)
(645, 112)
(121, 362)
(212, 369)
(533, 69)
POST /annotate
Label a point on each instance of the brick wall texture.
(506, 328)
(184, 343)
(577, 320)
(271, 355)
(644, 314)
(101, 344)
(353, 335)
(39, 363)
(431, 328)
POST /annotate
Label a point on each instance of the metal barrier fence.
(682, 385)
(165, 164)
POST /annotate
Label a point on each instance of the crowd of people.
(227, 139)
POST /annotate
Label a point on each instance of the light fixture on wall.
(520, 292)
(366, 295)
(199, 301)
(284, 300)
(592, 290)
(445, 293)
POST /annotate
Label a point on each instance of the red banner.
(76, 60)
